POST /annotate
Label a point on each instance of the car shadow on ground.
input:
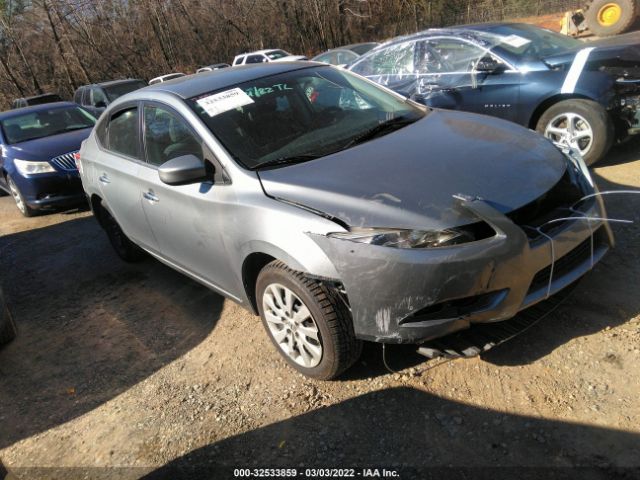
(409, 429)
(89, 325)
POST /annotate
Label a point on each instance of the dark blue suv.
(39, 144)
(584, 96)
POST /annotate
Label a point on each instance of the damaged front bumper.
(411, 296)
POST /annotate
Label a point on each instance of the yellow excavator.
(602, 18)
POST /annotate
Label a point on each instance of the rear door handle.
(151, 196)
(104, 179)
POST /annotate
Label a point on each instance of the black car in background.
(96, 97)
(36, 100)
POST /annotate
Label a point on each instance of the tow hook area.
(481, 337)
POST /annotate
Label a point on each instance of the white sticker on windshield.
(515, 41)
(224, 101)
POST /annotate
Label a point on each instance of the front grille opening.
(457, 308)
(65, 162)
(568, 262)
(555, 203)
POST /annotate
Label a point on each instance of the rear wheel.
(610, 17)
(580, 124)
(307, 322)
(125, 248)
(19, 199)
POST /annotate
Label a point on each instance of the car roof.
(354, 45)
(262, 51)
(194, 85)
(42, 95)
(35, 108)
(477, 31)
(111, 83)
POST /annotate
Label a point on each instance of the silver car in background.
(338, 210)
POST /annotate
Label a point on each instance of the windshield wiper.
(288, 160)
(389, 125)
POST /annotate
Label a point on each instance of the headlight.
(27, 167)
(399, 238)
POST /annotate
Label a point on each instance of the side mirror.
(183, 170)
(489, 65)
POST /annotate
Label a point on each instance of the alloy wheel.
(291, 325)
(15, 193)
(570, 130)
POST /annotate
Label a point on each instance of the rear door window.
(123, 134)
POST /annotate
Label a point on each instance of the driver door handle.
(151, 196)
(104, 179)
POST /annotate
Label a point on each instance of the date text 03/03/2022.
(315, 473)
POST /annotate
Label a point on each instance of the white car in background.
(263, 56)
(165, 78)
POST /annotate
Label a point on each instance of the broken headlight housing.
(401, 238)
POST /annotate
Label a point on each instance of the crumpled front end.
(413, 295)
(626, 108)
(622, 64)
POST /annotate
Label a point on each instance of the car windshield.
(120, 89)
(45, 123)
(276, 54)
(531, 41)
(301, 115)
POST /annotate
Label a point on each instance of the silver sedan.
(338, 210)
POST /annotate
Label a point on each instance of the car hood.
(407, 179)
(604, 54)
(45, 148)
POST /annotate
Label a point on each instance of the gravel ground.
(139, 369)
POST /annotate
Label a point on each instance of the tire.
(23, 208)
(7, 327)
(603, 25)
(335, 347)
(585, 115)
(125, 248)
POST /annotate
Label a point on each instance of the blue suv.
(39, 145)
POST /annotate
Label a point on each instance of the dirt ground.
(139, 369)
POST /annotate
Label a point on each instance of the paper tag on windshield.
(224, 101)
(515, 41)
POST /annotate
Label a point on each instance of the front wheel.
(307, 322)
(580, 124)
(19, 199)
